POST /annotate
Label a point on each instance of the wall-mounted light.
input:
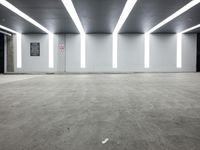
(19, 45)
(125, 13)
(35, 23)
(170, 18)
(179, 45)
(114, 65)
(72, 12)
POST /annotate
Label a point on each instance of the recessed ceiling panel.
(185, 21)
(14, 22)
(99, 16)
(148, 13)
(49, 13)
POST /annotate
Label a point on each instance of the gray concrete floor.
(78, 112)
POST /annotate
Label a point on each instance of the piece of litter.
(105, 141)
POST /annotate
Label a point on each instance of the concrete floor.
(78, 112)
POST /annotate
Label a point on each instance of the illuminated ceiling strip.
(72, 12)
(5, 33)
(179, 45)
(190, 29)
(176, 14)
(7, 29)
(125, 13)
(23, 15)
(35, 23)
(19, 45)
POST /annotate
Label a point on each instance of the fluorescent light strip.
(7, 29)
(176, 14)
(19, 45)
(35, 23)
(125, 13)
(179, 45)
(72, 12)
(5, 33)
(147, 49)
(23, 15)
(190, 29)
(179, 51)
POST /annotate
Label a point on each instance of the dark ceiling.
(148, 13)
(13, 21)
(100, 16)
(49, 13)
(185, 21)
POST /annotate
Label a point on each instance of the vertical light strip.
(125, 13)
(115, 50)
(19, 50)
(147, 51)
(179, 51)
(72, 12)
(19, 45)
(35, 23)
(83, 51)
(170, 18)
(51, 50)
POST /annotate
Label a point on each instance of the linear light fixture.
(23, 15)
(19, 45)
(179, 45)
(35, 23)
(176, 14)
(72, 12)
(8, 29)
(5, 33)
(146, 48)
(190, 29)
(170, 18)
(125, 13)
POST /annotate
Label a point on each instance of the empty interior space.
(99, 75)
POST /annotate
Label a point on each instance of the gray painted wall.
(99, 53)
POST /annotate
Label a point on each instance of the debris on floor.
(105, 141)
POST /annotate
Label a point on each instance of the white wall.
(99, 53)
(34, 63)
